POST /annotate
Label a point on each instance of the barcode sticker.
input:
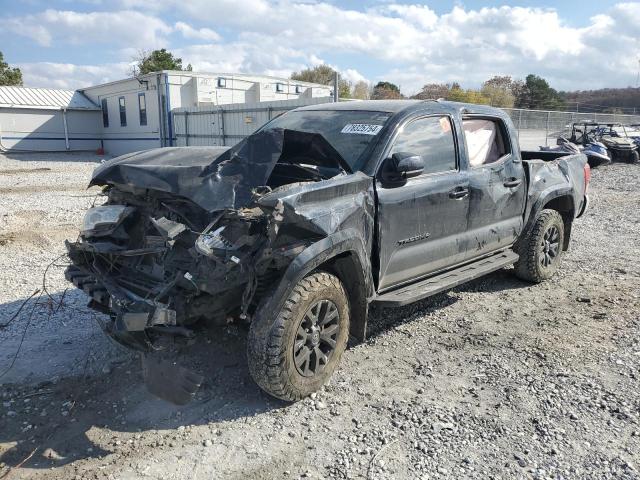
(362, 128)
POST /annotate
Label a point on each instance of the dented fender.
(560, 182)
(348, 242)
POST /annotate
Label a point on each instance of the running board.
(445, 281)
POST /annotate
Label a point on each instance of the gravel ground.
(495, 379)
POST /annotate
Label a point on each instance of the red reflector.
(587, 176)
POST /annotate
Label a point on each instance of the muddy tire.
(295, 355)
(541, 250)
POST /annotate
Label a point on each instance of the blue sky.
(70, 44)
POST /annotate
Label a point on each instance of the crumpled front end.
(158, 264)
(192, 235)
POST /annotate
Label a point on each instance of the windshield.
(349, 132)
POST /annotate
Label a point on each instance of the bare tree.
(361, 90)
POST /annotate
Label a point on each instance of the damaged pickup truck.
(297, 229)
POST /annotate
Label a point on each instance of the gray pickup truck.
(299, 228)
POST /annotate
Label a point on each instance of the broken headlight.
(105, 218)
(208, 242)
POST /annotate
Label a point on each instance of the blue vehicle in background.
(612, 136)
(585, 136)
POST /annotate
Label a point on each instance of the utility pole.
(336, 96)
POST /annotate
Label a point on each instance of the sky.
(575, 45)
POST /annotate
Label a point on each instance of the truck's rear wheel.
(303, 346)
(541, 249)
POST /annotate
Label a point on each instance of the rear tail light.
(587, 176)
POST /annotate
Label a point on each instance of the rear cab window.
(431, 138)
(486, 140)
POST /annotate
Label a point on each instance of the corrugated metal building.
(136, 112)
(45, 119)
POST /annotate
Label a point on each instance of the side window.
(432, 139)
(142, 108)
(105, 113)
(123, 112)
(486, 142)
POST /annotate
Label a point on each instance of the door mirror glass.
(408, 164)
(403, 165)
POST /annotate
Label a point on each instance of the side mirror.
(402, 165)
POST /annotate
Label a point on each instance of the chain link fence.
(543, 127)
(228, 124)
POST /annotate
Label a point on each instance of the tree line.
(500, 91)
(534, 93)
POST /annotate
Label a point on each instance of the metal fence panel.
(228, 124)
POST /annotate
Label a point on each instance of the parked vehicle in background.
(584, 135)
(633, 132)
(613, 136)
(595, 152)
(297, 229)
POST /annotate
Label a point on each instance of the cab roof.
(397, 106)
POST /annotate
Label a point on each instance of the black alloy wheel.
(540, 247)
(316, 338)
(550, 246)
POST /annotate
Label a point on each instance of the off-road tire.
(530, 266)
(270, 344)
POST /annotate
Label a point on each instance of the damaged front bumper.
(156, 276)
(132, 317)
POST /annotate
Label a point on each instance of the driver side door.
(422, 221)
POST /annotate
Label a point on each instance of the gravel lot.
(495, 379)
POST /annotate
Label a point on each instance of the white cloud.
(58, 27)
(353, 75)
(403, 43)
(196, 33)
(69, 76)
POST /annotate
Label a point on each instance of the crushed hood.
(217, 178)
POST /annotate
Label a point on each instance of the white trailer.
(137, 111)
(43, 119)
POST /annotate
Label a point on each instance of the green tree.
(386, 91)
(323, 74)
(538, 95)
(499, 91)
(8, 75)
(158, 60)
(458, 94)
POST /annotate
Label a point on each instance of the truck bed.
(544, 155)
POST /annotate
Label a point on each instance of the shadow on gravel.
(382, 319)
(499, 281)
(78, 416)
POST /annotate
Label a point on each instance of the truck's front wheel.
(541, 249)
(295, 355)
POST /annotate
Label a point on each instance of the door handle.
(513, 182)
(458, 193)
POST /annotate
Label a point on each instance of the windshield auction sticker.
(362, 128)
